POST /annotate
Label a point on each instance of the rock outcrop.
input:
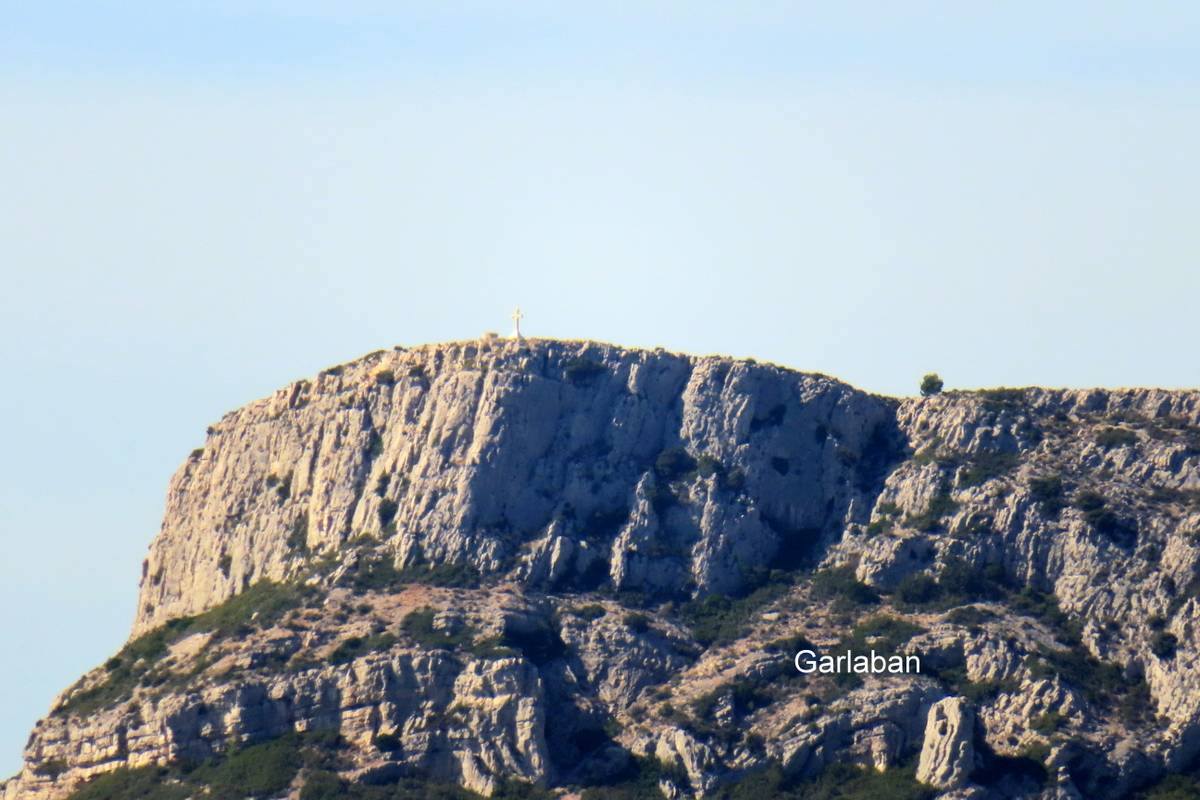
(568, 564)
(548, 462)
(948, 750)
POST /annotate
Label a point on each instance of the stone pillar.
(948, 752)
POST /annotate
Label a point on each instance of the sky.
(202, 201)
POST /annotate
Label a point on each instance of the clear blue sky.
(200, 201)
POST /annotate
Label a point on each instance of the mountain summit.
(530, 567)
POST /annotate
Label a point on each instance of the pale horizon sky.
(202, 201)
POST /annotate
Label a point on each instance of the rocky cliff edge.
(570, 566)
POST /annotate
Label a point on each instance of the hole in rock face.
(884, 449)
(587, 740)
(773, 418)
(592, 578)
(539, 642)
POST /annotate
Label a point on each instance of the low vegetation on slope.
(138, 662)
(269, 769)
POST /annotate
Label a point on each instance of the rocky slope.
(557, 567)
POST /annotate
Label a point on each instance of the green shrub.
(1102, 683)
(381, 575)
(142, 783)
(970, 617)
(282, 486)
(1002, 398)
(326, 785)
(957, 583)
(983, 467)
(638, 782)
(840, 586)
(964, 583)
(918, 589)
(879, 526)
(931, 384)
(930, 519)
(590, 612)
(1110, 438)
(888, 510)
(1164, 645)
(707, 466)
(719, 618)
(514, 789)
(354, 647)
(298, 534)
(1095, 511)
(1044, 606)
(387, 512)
(267, 769)
(638, 623)
(1166, 494)
(1047, 491)
(838, 781)
(374, 445)
(849, 782)
(744, 695)
(418, 625)
(260, 770)
(886, 513)
(927, 455)
(1048, 723)
(978, 692)
(493, 648)
(1171, 787)
(261, 605)
(883, 632)
(674, 463)
(661, 497)
(1089, 502)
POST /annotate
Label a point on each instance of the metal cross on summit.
(517, 316)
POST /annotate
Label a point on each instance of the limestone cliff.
(560, 565)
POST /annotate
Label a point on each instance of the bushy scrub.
(260, 606)
(419, 626)
(263, 769)
(837, 782)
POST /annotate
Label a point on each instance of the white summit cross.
(517, 316)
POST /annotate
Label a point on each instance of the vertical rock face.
(948, 750)
(549, 462)
(572, 564)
